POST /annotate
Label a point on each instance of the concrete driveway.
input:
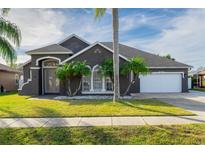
(193, 101)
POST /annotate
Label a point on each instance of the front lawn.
(175, 134)
(13, 105)
(199, 89)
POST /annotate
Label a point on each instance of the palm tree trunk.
(115, 26)
(128, 88)
(78, 89)
(69, 89)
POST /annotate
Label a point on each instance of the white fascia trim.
(74, 35)
(34, 68)
(86, 49)
(50, 57)
(171, 67)
(97, 92)
(26, 62)
(51, 53)
(25, 83)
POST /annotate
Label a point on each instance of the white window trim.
(97, 92)
(47, 57)
(90, 77)
(34, 68)
(104, 91)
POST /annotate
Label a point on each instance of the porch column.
(91, 82)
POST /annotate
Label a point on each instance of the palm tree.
(136, 66)
(99, 12)
(10, 35)
(72, 70)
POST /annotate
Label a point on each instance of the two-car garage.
(161, 82)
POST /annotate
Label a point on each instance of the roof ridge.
(71, 36)
(148, 53)
(8, 68)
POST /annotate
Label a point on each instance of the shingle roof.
(55, 48)
(150, 59)
(8, 69)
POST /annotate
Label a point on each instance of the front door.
(51, 82)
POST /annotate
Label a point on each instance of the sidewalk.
(99, 121)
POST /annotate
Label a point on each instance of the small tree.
(71, 70)
(136, 66)
(168, 56)
(106, 69)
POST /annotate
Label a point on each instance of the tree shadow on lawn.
(108, 101)
(159, 104)
(10, 113)
(59, 136)
(47, 112)
(87, 102)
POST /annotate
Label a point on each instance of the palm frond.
(99, 12)
(7, 51)
(10, 31)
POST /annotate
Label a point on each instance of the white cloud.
(185, 40)
(38, 26)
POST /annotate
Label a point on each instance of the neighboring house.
(198, 78)
(40, 78)
(9, 78)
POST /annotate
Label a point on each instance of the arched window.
(96, 83)
(97, 79)
(86, 82)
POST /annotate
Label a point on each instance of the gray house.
(40, 78)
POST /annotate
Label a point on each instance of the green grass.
(175, 134)
(199, 89)
(13, 105)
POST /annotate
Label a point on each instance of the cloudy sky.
(179, 32)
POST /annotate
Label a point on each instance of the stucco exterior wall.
(95, 56)
(26, 72)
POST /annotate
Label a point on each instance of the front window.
(50, 63)
(108, 84)
(97, 80)
(86, 83)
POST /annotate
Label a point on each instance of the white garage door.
(161, 83)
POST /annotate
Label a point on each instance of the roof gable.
(86, 49)
(74, 43)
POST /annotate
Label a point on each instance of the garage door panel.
(159, 83)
